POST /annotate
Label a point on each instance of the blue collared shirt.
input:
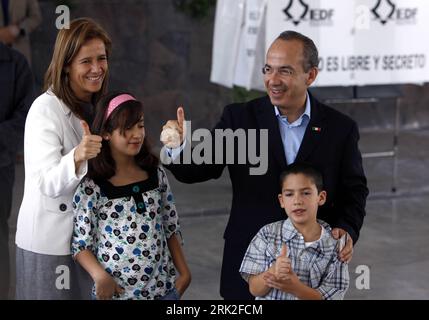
(316, 264)
(293, 133)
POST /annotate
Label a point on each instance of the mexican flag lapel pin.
(317, 129)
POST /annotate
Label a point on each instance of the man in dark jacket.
(16, 95)
(299, 129)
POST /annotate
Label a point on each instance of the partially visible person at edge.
(56, 153)
(18, 19)
(300, 128)
(16, 95)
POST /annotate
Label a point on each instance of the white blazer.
(45, 220)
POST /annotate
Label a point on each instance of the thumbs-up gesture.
(89, 147)
(174, 131)
(282, 265)
(282, 277)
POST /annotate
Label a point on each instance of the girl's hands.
(182, 283)
(106, 287)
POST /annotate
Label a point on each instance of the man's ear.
(322, 198)
(312, 75)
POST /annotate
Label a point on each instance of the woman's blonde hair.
(67, 45)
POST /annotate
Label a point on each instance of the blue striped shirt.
(293, 133)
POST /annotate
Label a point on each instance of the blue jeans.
(173, 294)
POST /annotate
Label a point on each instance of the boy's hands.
(280, 276)
(346, 254)
(106, 287)
(287, 283)
(282, 265)
(283, 278)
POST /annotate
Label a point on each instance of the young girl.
(126, 226)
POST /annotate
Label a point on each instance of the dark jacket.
(16, 95)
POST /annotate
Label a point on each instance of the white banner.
(360, 42)
(227, 33)
(247, 70)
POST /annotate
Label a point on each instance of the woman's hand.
(89, 147)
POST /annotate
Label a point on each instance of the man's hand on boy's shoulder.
(346, 253)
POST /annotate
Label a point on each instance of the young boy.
(296, 258)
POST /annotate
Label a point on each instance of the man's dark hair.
(311, 55)
(307, 170)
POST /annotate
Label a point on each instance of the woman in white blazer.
(57, 145)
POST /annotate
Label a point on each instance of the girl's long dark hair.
(125, 116)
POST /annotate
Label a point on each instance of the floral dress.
(127, 228)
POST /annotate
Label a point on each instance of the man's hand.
(346, 254)
(174, 131)
(282, 265)
(7, 35)
(89, 147)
